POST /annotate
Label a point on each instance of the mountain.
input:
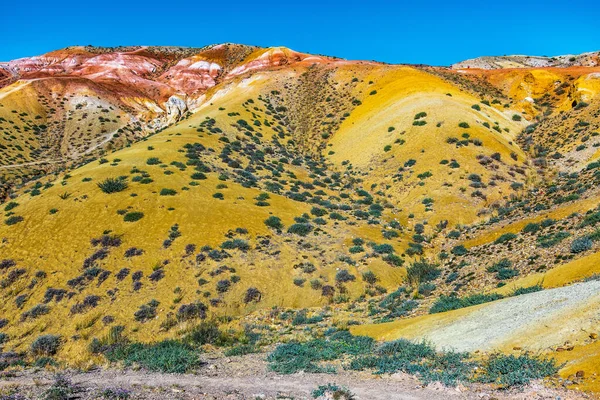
(150, 188)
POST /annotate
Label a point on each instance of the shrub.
(581, 244)
(369, 277)
(130, 252)
(318, 212)
(168, 192)
(301, 229)
(344, 276)
(168, 356)
(459, 250)
(7, 263)
(505, 238)
(61, 389)
(223, 286)
(146, 312)
(403, 355)
(356, 249)
(207, 332)
(36, 311)
(293, 357)
(506, 273)
(511, 370)
(153, 161)
(273, 222)
(239, 244)
(383, 248)
(10, 205)
(198, 176)
(13, 219)
(422, 271)
(112, 185)
(240, 350)
(252, 294)
(330, 391)
(447, 303)
(45, 345)
(192, 311)
(532, 227)
(133, 216)
(116, 394)
(393, 260)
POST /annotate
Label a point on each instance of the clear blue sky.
(434, 32)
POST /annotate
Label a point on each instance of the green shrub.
(416, 358)
(447, 303)
(45, 345)
(421, 271)
(546, 241)
(331, 391)
(301, 229)
(274, 222)
(293, 357)
(459, 250)
(198, 176)
(344, 276)
(10, 205)
(241, 350)
(112, 185)
(13, 219)
(168, 192)
(168, 356)
(505, 238)
(526, 290)
(511, 370)
(153, 161)
(581, 244)
(133, 216)
(532, 227)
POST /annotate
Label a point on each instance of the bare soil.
(248, 378)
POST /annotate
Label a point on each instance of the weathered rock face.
(154, 74)
(176, 108)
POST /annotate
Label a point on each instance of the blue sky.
(434, 32)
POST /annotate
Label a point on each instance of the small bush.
(447, 303)
(274, 222)
(531, 228)
(344, 276)
(133, 216)
(168, 356)
(116, 394)
(13, 219)
(112, 185)
(45, 345)
(301, 229)
(581, 244)
(511, 370)
(252, 294)
(422, 271)
(168, 192)
(153, 161)
(505, 238)
(330, 391)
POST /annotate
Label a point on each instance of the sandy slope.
(529, 320)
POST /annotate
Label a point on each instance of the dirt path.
(247, 378)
